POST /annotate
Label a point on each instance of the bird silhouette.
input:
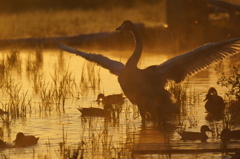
(25, 140)
(227, 134)
(98, 112)
(215, 103)
(188, 135)
(146, 87)
(110, 99)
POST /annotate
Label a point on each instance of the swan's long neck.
(133, 60)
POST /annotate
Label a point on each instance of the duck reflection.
(214, 117)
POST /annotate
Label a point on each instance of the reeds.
(187, 100)
(90, 78)
(53, 94)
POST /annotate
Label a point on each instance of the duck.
(110, 99)
(98, 112)
(227, 134)
(25, 140)
(146, 87)
(214, 103)
(187, 135)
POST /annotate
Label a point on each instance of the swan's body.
(188, 135)
(145, 87)
(215, 103)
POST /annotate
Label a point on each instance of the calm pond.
(42, 90)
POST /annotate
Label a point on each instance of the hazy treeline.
(23, 5)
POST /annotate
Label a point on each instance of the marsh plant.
(179, 92)
(90, 78)
(186, 100)
(232, 82)
(19, 102)
(53, 94)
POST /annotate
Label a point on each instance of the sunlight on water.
(58, 125)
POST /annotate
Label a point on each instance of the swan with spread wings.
(146, 87)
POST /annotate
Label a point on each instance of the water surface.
(98, 137)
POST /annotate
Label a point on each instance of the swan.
(215, 103)
(146, 87)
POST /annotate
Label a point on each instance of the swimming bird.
(110, 99)
(98, 112)
(227, 134)
(215, 103)
(146, 87)
(25, 140)
(188, 135)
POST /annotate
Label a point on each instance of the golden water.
(102, 138)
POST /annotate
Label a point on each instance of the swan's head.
(126, 25)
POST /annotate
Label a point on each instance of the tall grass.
(187, 99)
(53, 94)
(90, 78)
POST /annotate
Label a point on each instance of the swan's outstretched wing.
(113, 66)
(196, 60)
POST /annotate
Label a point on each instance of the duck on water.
(188, 135)
(23, 140)
(110, 99)
(146, 87)
(214, 103)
